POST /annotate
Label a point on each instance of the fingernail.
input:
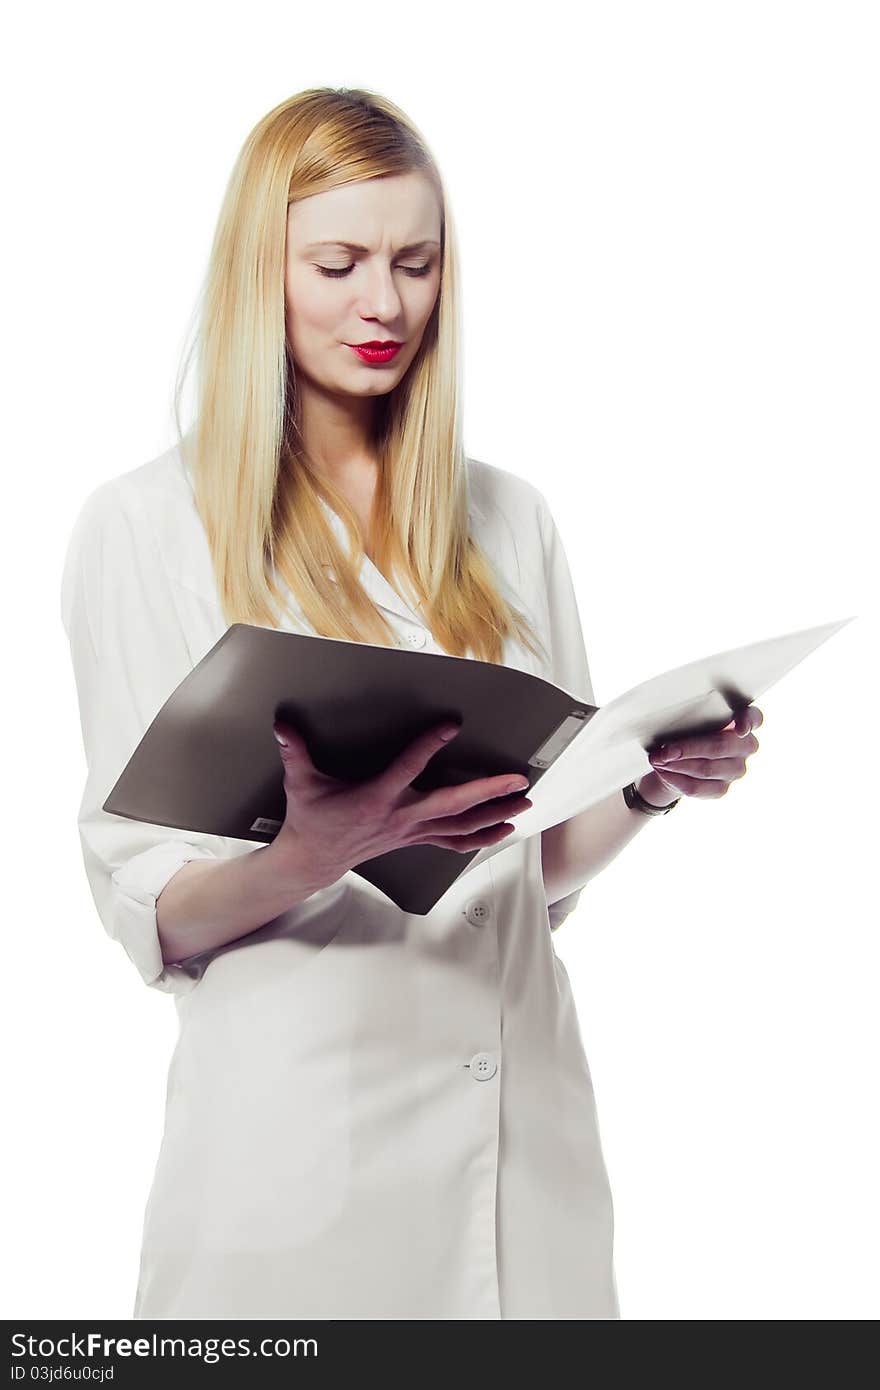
(449, 732)
(282, 741)
(518, 784)
(667, 755)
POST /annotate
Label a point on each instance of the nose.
(381, 298)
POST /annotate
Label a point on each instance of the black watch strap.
(636, 802)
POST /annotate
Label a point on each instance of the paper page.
(702, 696)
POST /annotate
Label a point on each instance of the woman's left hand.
(706, 764)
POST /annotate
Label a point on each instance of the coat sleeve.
(129, 653)
(568, 653)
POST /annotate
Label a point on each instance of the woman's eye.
(345, 270)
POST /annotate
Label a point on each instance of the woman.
(370, 1114)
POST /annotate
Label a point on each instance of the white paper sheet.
(610, 751)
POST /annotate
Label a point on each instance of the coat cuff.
(136, 886)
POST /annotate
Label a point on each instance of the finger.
(465, 843)
(746, 719)
(693, 786)
(487, 813)
(715, 745)
(720, 745)
(293, 749)
(406, 767)
(711, 768)
(453, 801)
(743, 722)
(755, 719)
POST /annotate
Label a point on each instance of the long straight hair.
(256, 490)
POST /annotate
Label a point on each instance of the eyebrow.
(353, 246)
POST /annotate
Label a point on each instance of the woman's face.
(337, 296)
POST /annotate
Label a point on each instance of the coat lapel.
(380, 590)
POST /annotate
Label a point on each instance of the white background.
(668, 217)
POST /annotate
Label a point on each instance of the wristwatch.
(636, 802)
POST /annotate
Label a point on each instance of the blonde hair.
(256, 490)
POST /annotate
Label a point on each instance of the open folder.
(209, 760)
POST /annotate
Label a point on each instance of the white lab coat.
(369, 1114)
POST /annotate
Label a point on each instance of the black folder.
(209, 761)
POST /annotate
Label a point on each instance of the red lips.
(376, 353)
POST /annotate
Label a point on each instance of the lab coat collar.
(380, 590)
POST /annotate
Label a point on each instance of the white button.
(417, 638)
(478, 911)
(483, 1066)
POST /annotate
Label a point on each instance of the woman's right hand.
(332, 825)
